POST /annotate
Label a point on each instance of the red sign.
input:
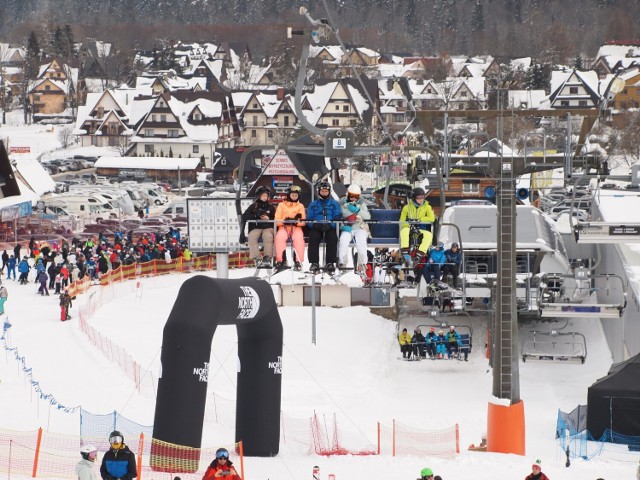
(19, 149)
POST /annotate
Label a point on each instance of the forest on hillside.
(556, 30)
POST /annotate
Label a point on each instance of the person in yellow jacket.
(417, 211)
(405, 344)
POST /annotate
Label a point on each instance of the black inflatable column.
(204, 303)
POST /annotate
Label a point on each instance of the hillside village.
(215, 97)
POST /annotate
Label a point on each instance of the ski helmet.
(426, 472)
(263, 189)
(222, 453)
(323, 185)
(116, 439)
(87, 450)
(440, 245)
(455, 245)
(418, 191)
(354, 191)
(293, 189)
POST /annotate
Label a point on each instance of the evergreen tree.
(477, 17)
(578, 62)
(537, 77)
(32, 56)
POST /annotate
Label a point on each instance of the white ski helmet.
(87, 450)
(354, 190)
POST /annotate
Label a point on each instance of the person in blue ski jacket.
(23, 268)
(452, 266)
(321, 215)
(436, 259)
(118, 463)
(11, 268)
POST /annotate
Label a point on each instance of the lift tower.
(505, 423)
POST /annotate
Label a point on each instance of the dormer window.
(197, 116)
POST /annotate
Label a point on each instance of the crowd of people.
(432, 345)
(57, 265)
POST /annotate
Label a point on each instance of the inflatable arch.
(202, 304)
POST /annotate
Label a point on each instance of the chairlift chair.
(553, 302)
(555, 346)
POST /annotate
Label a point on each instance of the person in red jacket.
(536, 472)
(221, 467)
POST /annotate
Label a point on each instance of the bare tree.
(123, 144)
(65, 136)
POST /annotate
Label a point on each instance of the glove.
(298, 216)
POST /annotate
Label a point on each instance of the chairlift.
(555, 346)
(558, 293)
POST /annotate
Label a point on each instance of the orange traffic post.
(505, 428)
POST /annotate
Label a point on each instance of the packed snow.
(353, 370)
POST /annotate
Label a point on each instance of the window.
(286, 120)
(352, 122)
(47, 87)
(148, 148)
(179, 210)
(172, 133)
(153, 118)
(269, 133)
(471, 186)
(148, 132)
(573, 90)
(196, 149)
(335, 122)
(582, 103)
(163, 118)
(197, 116)
(337, 107)
(463, 93)
(564, 103)
(254, 120)
(255, 105)
(100, 112)
(345, 108)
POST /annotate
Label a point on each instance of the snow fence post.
(36, 456)
(140, 450)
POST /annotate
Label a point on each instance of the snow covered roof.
(34, 175)
(618, 51)
(526, 98)
(334, 50)
(148, 163)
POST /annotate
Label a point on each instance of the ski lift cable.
(334, 29)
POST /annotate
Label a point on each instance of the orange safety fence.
(144, 380)
(402, 439)
(42, 454)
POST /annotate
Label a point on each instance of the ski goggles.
(295, 189)
(116, 441)
(222, 455)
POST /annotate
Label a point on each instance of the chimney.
(280, 93)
